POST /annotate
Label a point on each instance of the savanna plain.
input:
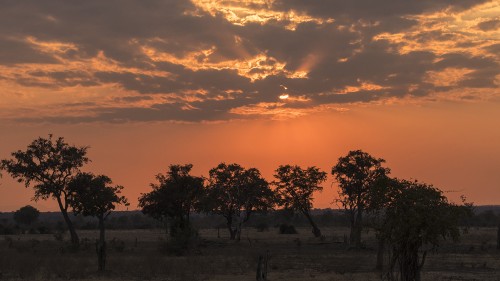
(146, 255)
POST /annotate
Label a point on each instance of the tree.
(417, 217)
(295, 187)
(175, 196)
(356, 174)
(26, 215)
(235, 193)
(95, 196)
(48, 165)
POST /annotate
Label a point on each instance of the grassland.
(141, 255)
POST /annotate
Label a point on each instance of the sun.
(284, 96)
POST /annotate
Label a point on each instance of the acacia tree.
(95, 196)
(417, 217)
(235, 193)
(295, 187)
(356, 173)
(26, 215)
(48, 165)
(175, 196)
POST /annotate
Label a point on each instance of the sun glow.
(255, 11)
(257, 67)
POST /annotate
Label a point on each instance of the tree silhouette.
(356, 174)
(417, 217)
(175, 196)
(295, 187)
(235, 193)
(48, 165)
(26, 215)
(94, 196)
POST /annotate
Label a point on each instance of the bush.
(44, 230)
(287, 229)
(6, 230)
(59, 236)
(181, 240)
(261, 227)
(117, 244)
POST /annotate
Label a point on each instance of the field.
(140, 255)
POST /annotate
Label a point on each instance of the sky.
(146, 84)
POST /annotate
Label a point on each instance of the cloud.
(211, 60)
(489, 25)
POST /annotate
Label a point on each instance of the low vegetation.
(139, 255)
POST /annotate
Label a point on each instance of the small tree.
(356, 174)
(26, 215)
(94, 196)
(417, 217)
(48, 165)
(235, 193)
(175, 196)
(295, 187)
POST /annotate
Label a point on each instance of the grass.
(138, 255)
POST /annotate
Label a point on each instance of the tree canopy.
(26, 215)
(295, 187)
(95, 196)
(356, 173)
(417, 218)
(235, 193)
(48, 165)
(175, 196)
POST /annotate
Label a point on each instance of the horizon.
(340, 209)
(259, 83)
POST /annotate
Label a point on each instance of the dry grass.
(293, 257)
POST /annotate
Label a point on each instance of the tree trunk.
(238, 232)
(232, 232)
(262, 267)
(358, 227)
(409, 265)
(74, 237)
(380, 254)
(498, 237)
(419, 267)
(101, 246)
(315, 231)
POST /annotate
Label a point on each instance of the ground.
(143, 255)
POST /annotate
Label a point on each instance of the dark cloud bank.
(337, 53)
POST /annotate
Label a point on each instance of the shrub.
(287, 229)
(180, 241)
(44, 230)
(261, 227)
(59, 236)
(118, 244)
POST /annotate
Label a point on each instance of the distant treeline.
(51, 222)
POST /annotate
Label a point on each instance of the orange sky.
(257, 82)
(453, 146)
